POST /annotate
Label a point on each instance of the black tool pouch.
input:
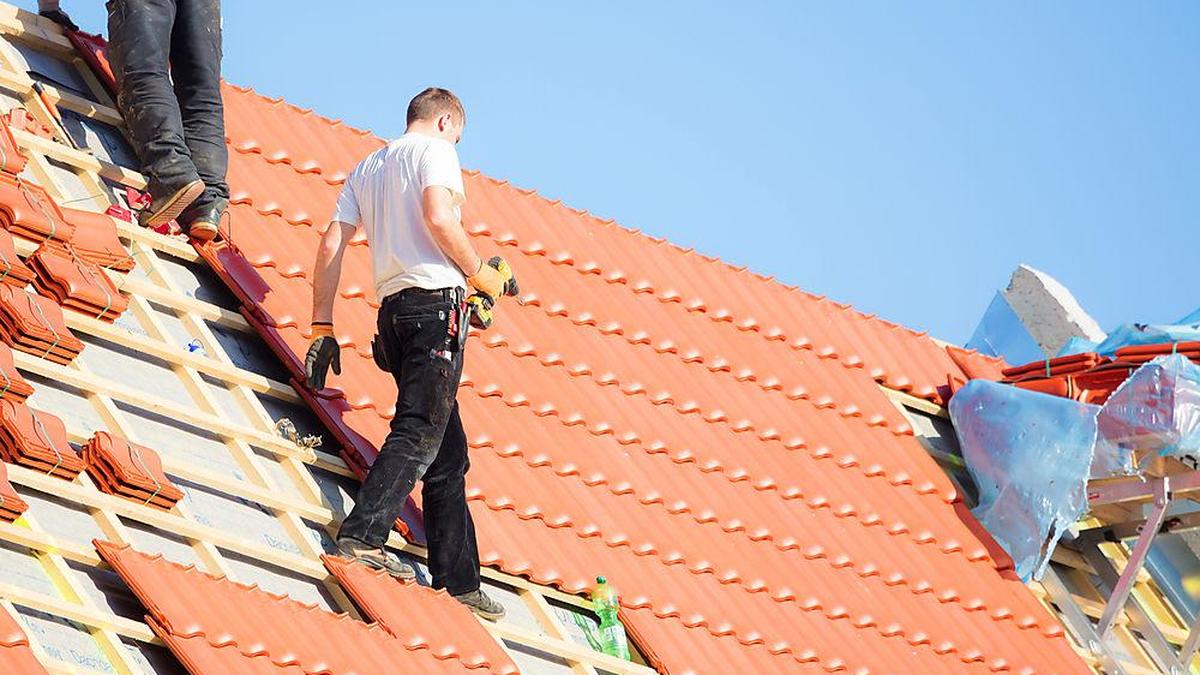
(379, 354)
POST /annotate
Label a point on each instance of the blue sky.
(901, 156)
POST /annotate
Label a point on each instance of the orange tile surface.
(421, 617)
(713, 441)
(15, 654)
(218, 626)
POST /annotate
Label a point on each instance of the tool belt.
(456, 322)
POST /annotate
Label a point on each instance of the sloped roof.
(711, 440)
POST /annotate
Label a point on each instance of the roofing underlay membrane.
(714, 442)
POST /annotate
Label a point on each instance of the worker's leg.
(413, 329)
(196, 68)
(453, 553)
(139, 48)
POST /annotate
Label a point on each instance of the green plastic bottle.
(611, 632)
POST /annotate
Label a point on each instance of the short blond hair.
(433, 103)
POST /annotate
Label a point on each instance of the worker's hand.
(59, 17)
(489, 281)
(322, 352)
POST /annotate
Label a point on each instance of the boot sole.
(203, 232)
(176, 204)
(407, 574)
(490, 616)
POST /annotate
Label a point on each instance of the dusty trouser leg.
(413, 330)
(453, 551)
(196, 68)
(139, 50)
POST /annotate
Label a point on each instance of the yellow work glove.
(488, 280)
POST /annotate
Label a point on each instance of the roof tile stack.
(94, 238)
(11, 504)
(13, 386)
(76, 283)
(12, 160)
(26, 210)
(14, 271)
(35, 325)
(129, 470)
(37, 440)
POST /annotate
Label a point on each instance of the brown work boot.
(376, 558)
(166, 209)
(203, 224)
(477, 601)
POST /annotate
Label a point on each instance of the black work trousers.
(426, 442)
(166, 56)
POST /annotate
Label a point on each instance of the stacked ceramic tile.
(12, 160)
(12, 385)
(35, 325)
(94, 238)
(13, 270)
(11, 504)
(30, 213)
(129, 470)
(37, 440)
(75, 283)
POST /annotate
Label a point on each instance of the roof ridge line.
(279, 100)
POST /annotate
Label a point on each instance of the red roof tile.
(711, 440)
(421, 617)
(15, 654)
(198, 609)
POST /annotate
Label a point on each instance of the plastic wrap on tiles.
(16, 656)
(187, 603)
(1030, 455)
(1156, 410)
(1133, 334)
(409, 610)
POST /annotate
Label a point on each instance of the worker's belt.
(456, 324)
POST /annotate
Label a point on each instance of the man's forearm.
(327, 271)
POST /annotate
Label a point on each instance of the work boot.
(203, 224)
(377, 558)
(166, 209)
(479, 602)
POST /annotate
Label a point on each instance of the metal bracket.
(1120, 594)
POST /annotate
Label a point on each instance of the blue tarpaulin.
(1030, 455)
(1001, 333)
(1130, 334)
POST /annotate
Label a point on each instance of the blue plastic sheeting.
(1130, 334)
(1156, 410)
(1030, 456)
(1192, 318)
(1077, 345)
(1001, 333)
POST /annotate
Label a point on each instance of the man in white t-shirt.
(407, 197)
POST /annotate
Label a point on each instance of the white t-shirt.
(383, 193)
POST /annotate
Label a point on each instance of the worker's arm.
(327, 272)
(324, 351)
(437, 205)
(51, 10)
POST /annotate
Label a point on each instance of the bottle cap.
(601, 580)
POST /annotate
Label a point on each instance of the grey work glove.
(322, 352)
(59, 17)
